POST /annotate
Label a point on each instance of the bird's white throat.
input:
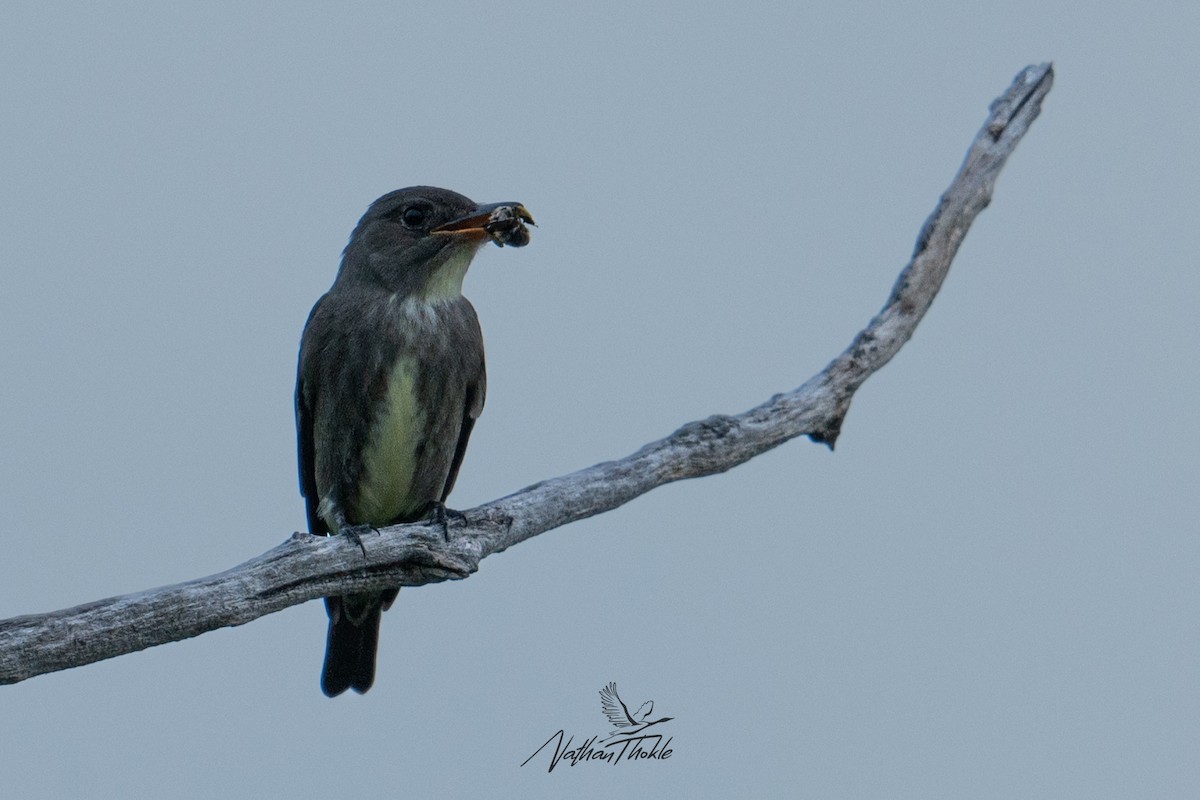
(446, 280)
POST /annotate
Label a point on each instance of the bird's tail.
(353, 640)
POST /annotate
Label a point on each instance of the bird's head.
(412, 236)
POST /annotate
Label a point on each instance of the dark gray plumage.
(390, 382)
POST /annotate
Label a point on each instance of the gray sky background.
(989, 590)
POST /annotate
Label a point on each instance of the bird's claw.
(439, 514)
(356, 533)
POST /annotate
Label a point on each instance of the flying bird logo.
(623, 722)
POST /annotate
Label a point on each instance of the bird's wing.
(644, 710)
(472, 408)
(614, 708)
(460, 449)
(305, 446)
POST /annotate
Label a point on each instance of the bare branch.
(307, 567)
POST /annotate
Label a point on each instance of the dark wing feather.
(472, 408)
(305, 446)
(460, 449)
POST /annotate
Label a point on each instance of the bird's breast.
(386, 491)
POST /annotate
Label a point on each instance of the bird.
(390, 381)
(623, 722)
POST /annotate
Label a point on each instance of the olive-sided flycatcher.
(390, 382)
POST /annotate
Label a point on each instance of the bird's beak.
(503, 223)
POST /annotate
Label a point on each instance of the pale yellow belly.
(389, 466)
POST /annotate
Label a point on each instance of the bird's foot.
(356, 533)
(439, 514)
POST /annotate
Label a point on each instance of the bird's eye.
(413, 216)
